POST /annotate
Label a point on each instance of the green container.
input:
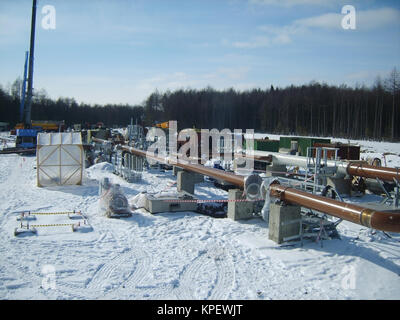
(285, 142)
(303, 143)
(266, 145)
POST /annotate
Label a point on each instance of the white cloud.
(273, 35)
(330, 21)
(366, 20)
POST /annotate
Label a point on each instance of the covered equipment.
(60, 159)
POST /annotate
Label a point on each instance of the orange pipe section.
(385, 221)
(198, 168)
(368, 171)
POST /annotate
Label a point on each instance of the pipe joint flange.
(252, 187)
(366, 217)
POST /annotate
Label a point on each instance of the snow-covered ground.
(177, 255)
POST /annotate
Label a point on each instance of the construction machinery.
(26, 134)
(27, 130)
(163, 125)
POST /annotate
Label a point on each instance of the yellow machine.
(44, 125)
(163, 125)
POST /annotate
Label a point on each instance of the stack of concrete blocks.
(170, 204)
(341, 185)
(284, 222)
(238, 207)
(187, 180)
(175, 170)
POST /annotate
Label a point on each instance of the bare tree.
(392, 84)
(16, 88)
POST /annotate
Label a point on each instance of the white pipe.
(291, 160)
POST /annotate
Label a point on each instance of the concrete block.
(284, 222)
(187, 180)
(168, 204)
(342, 185)
(175, 170)
(239, 210)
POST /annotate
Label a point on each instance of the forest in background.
(313, 109)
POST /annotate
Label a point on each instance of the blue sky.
(120, 51)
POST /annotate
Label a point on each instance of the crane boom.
(28, 107)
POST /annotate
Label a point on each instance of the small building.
(60, 159)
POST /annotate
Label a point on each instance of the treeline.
(314, 109)
(67, 109)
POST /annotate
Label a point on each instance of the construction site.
(147, 212)
(114, 218)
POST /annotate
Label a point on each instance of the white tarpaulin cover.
(60, 159)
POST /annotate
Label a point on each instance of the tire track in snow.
(72, 291)
(106, 270)
(213, 257)
(137, 275)
(225, 276)
(102, 284)
(184, 290)
(143, 263)
(99, 285)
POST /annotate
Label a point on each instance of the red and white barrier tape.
(212, 200)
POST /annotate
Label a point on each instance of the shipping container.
(302, 142)
(266, 145)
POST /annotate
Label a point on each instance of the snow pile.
(103, 166)
(138, 201)
(99, 171)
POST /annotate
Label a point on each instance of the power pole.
(28, 108)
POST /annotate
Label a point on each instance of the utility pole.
(28, 108)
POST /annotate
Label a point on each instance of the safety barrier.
(213, 200)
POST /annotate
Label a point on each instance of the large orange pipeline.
(368, 171)
(352, 168)
(379, 220)
(219, 174)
